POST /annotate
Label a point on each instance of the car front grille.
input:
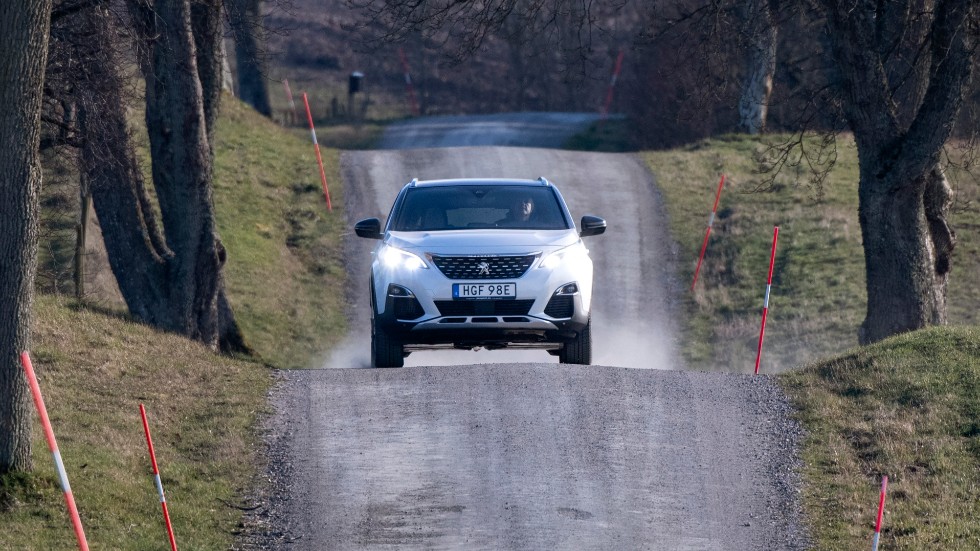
(484, 307)
(483, 267)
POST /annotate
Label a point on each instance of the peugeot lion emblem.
(484, 268)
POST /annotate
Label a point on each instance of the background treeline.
(683, 71)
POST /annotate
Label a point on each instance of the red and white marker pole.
(289, 96)
(765, 306)
(612, 85)
(156, 479)
(881, 512)
(76, 521)
(707, 232)
(409, 87)
(319, 159)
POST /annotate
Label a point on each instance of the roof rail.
(544, 180)
(414, 182)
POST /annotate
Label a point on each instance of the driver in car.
(519, 213)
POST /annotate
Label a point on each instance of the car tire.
(386, 351)
(578, 350)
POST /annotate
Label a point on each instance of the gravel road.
(511, 450)
(520, 129)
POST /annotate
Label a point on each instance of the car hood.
(483, 241)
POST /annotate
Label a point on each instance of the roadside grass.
(818, 290)
(964, 284)
(343, 135)
(285, 270)
(285, 281)
(909, 408)
(818, 297)
(94, 370)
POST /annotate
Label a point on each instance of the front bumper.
(485, 325)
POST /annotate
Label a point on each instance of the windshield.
(471, 207)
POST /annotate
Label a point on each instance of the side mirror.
(592, 225)
(369, 227)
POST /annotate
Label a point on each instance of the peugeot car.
(472, 263)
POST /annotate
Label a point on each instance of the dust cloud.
(639, 348)
(613, 347)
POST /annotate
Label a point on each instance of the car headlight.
(576, 254)
(393, 257)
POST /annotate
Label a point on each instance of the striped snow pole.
(319, 159)
(881, 512)
(409, 87)
(289, 96)
(76, 521)
(707, 232)
(156, 479)
(612, 85)
(765, 305)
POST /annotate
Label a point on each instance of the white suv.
(480, 263)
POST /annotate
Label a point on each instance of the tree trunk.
(760, 65)
(206, 18)
(169, 279)
(24, 27)
(903, 291)
(136, 249)
(937, 202)
(182, 174)
(904, 198)
(245, 17)
(206, 21)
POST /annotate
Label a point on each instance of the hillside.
(908, 408)
(285, 281)
(818, 292)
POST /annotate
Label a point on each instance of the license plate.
(484, 290)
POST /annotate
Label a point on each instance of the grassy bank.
(818, 295)
(95, 369)
(285, 281)
(285, 271)
(907, 407)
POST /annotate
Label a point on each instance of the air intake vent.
(484, 307)
(483, 267)
(407, 308)
(561, 306)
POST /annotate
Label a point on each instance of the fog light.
(398, 291)
(567, 289)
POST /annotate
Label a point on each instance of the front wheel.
(386, 351)
(578, 350)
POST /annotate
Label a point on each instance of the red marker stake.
(612, 86)
(156, 479)
(409, 88)
(316, 146)
(76, 521)
(289, 95)
(765, 306)
(707, 232)
(881, 511)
